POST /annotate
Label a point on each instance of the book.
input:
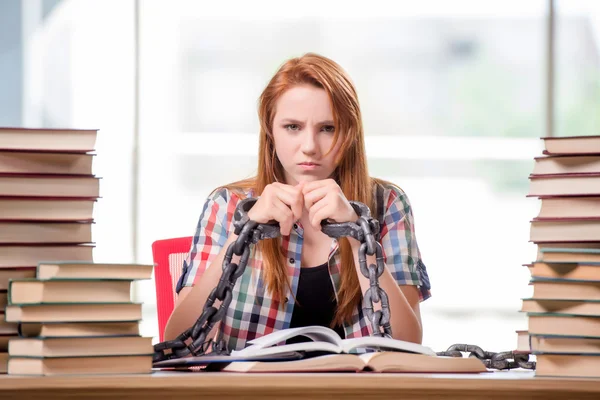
(91, 270)
(49, 186)
(565, 230)
(564, 185)
(7, 328)
(76, 291)
(560, 306)
(72, 140)
(4, 339)
(570, 255)
(566, 270)
(568, 365)
(22, 255)
(553, 165)
(569, 207)
(3, 299)
(563, 312)
(546, 288)
(565, 344)
(74, 312)
(3, 363)
(78, 329)
(14, 273)
(46, 209)
(566, 325)
(217, 362)
(565, 245)
(571, 145)
(81, 347)
(20, 232)
(376, 362)
(523, 341)
(324, 339)
(80, 365)
(24, 162)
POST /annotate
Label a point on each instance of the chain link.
(491, 360)
(380, 319)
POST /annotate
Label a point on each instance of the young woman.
(311, 161)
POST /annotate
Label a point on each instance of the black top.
(315, 301)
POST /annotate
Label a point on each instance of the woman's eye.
(328, 128)
(292, 127)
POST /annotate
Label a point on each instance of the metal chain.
(500, 360)
(364, 230)
(193, 340)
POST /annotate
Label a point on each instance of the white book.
(324, 339)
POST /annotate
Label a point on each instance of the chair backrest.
(168, 255)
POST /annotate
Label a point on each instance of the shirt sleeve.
(210, 237)
(400, 249)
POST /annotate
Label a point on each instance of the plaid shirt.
(252, 312)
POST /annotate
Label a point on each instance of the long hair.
(351, 167)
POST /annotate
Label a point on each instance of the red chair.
(168, 255)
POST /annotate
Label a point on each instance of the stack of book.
(47, 195)
(564, 310)
(78, 318)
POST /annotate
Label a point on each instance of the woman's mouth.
(308, 165)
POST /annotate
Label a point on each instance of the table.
(197, 385)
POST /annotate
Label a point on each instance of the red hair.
(351, 172)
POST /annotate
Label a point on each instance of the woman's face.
(303, 131)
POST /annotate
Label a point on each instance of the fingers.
(292, 196)
(283, 215)
(318, 213)
(325, 200)
(285, 203)
(316, 190)
(294, 202)
(310, 186)
(314, 196)
(286, 188)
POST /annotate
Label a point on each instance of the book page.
(273, 350)
(408, 362)
(332, 363)
(315, 333)
(374, 342)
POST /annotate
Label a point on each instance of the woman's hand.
(280, 202)
(325, 200)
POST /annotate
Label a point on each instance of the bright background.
(454, 95)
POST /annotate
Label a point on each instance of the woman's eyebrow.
(298, 122)
(291, 121)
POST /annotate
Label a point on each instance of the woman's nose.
(309, 143)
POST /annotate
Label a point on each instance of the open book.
(324, 340)
(269, 354)
(387, 361)
(391, 355)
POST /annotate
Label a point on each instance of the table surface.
(183, 385)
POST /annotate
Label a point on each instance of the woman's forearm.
(405, 323)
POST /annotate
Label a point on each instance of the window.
(453, 108)
(65, 69)
(577, 92)
(453, 97)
